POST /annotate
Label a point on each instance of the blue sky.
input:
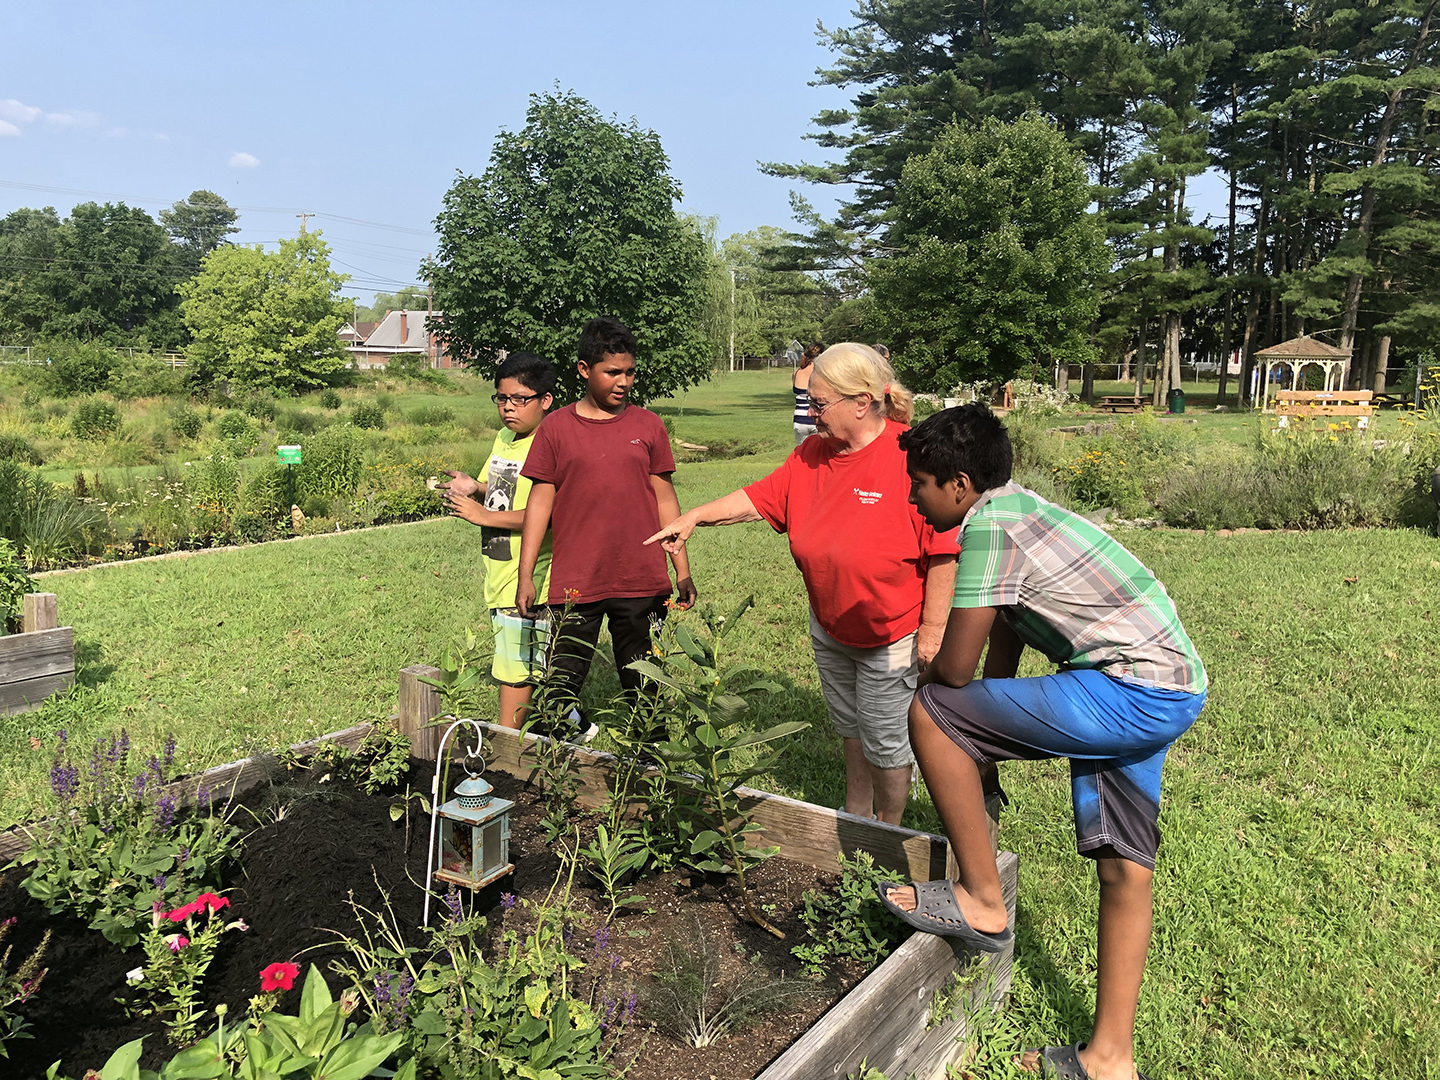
(366, 111)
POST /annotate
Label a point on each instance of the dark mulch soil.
(317, 844)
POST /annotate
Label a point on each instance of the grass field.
(1296, 927)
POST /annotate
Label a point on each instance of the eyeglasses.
(819, 410)
(520, 400)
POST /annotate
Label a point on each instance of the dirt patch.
(313, 845)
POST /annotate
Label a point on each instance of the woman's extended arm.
(727, 510)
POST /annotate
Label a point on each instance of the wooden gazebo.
(1298, 354)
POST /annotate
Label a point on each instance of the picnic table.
(1118, 403)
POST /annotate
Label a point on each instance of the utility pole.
(732, 319)
(303, 216)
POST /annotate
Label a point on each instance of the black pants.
(630, 619)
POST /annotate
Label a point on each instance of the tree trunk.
(1087, 383)
(1382, 363)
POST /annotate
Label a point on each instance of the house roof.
(1303, 348)
(357, 331)
(387, 335)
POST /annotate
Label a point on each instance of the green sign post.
(290, 457)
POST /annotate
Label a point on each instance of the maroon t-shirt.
(605, 508)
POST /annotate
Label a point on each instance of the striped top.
(802, 405)
(1072, 591)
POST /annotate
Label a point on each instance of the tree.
(267, 319)
(199, 225)
(574, 217)
(105, 273)
(994, 252)
(410, 298)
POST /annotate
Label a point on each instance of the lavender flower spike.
(165, 811)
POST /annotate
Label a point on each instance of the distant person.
(800, 387)
(524, 385)
(879, 579)
(1130, 683)
(600, 471)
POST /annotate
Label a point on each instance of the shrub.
(214, 485)
(235, 425)
(75, 367)
(95, 418)
(57, 530)
(847, 921)
(14, 448)
(369, 415)
(332, 463)
(264, 493)
(15, 582)
(21, 489)
(146, 375)
(185, 421)
(432, 415)
(297, 422)
(329, 399)
(260, 406)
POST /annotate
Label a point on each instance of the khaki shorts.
(520, 647)
(868, 694)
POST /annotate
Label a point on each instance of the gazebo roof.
(1303, 348)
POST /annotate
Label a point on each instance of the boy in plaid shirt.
(1129, 684)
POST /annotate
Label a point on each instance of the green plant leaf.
(704, 841)
(693, 648)
(124, 1063)
(357, 1058)
(735, 616)
(315, 997)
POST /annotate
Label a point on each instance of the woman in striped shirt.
(800, 387)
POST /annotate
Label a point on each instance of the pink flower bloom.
(177, 942)
(180, 914)
(210, 900)
(279, 976)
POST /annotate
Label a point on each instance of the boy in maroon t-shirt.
(600, 471)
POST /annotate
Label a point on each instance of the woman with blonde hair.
(879, 579)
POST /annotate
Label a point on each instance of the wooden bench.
(1308, 404)
(1118, 403)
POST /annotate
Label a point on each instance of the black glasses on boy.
(520, 400)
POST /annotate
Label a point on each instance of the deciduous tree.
(267, 319)
(574, 217)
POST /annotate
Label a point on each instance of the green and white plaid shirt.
(1072, 591)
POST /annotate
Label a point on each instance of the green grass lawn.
(1296, 926)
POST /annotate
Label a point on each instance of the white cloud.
(60, 119)
(241, 160)
(10, 109)
(117, 133)
(7, 128)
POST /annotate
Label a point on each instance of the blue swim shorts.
(1115, 733)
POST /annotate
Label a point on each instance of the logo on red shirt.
(868, 498)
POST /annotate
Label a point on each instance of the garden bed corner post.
(419, 705)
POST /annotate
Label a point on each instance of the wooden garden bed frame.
(38, 661)
(885, 1021)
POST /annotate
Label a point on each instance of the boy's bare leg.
(954, 783)
(513, 700)
(1123, 930)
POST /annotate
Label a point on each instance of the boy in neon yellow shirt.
(524, 385)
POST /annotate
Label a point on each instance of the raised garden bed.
(321, 843)
(38, 661)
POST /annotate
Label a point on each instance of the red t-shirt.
(605, 508)
(861, 547)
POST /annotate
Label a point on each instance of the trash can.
(1175, 400)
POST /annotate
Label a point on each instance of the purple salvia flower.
(382, 988)
(507, 900)
(567, 932)
(182, 858)
(452, 901)
(160, 883)
(64, 781)
(137, 786)
(202, 798)
(602, 939)
(629, 1006)
(614, 961)
(168, 757)
(152, 767)
(64, 737)
(165, 811)
(402, 998)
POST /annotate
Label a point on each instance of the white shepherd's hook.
(435, 798)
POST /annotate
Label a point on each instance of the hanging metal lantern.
(473, 827)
